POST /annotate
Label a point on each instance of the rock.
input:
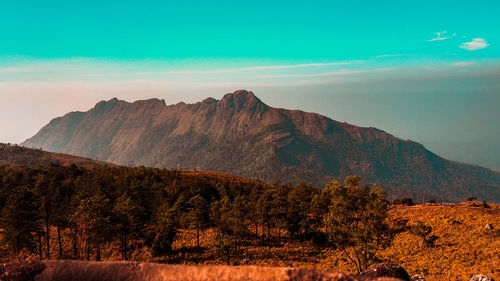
(385, 270)
(480, 277)
(63, 270)
(429, 240)
(417, 277)
(488, 226)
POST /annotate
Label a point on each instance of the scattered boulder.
(480, 277)
(488, 226)
(417, 277)
(385, 270)
(429, 240)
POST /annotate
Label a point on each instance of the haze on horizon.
(424, 71)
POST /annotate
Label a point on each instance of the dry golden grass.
(464, 246)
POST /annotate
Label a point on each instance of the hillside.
(149, 199)
(22, 156)
(464, 246)
(239, 134)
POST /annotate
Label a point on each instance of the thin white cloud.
(249, 85)
(320, 74)
(475, 44)
(440, 36)
(110, 74)
(270, 67)
(462, 63)
(32, 68)
(387, 56)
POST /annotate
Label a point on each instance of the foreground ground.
(134, 271)
(464, 246)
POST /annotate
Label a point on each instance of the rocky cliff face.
(240, 134)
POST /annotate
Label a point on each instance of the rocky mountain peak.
(240, 134)
(242, 100)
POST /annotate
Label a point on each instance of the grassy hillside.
(22, 156)
(464, 246)
(93, 213)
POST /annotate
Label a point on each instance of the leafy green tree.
(93, 217)
(299, 208)
(20, 219)
(357, 221)
(45, 187)
(198, 215)
(165, 227)
(319, 208)
(220, 214)
(126, 214)
(253, 213)
(223, 245)
(264, 210)
(238, 220)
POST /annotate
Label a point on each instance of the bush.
(403, 201)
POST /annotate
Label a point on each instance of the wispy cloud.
(32, 68)
(387, 56)
(462, 63)
(440, 36)
(319, 74)
(110, 74)
(475, 44)
(269, 67)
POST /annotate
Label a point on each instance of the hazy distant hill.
(22, 156)
(240, 134)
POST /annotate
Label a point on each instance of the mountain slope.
(22, 156)
(240, 134)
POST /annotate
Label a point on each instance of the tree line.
(95, 206)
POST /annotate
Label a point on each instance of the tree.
(239, 227)
(198, 215)
(299, 208)
(93, 217)
(166, 229)
(126, 214)
(357, 221)
(264, 211)
(20, 220)
(223, 245)
(44, 189)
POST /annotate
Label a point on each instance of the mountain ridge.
(242, 135)
(15, 155)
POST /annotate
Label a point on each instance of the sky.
(428, 71)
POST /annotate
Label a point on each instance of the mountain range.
(240, 134)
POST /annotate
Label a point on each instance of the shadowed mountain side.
(134, 271)
(239, 134)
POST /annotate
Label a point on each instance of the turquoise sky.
(423, 70)
(283, 30)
